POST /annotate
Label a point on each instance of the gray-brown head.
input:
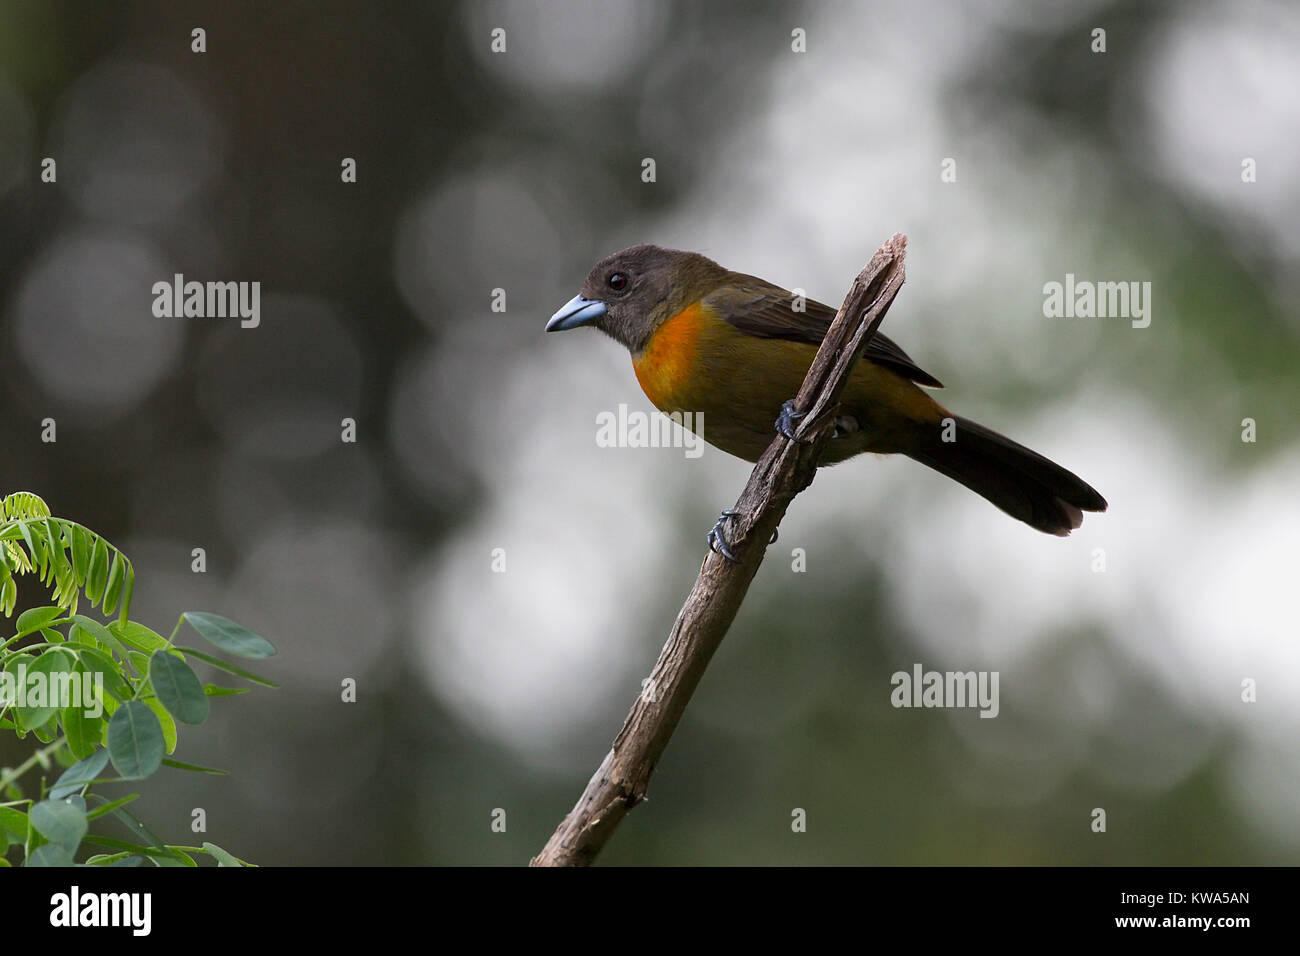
(629, 294)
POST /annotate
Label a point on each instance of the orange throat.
(666, 365)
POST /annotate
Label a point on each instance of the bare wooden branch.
(786, 468)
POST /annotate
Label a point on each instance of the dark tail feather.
(1021, 482)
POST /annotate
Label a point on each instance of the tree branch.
(786, 468)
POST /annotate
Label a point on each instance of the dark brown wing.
(759, 308)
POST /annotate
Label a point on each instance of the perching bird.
(735, 349)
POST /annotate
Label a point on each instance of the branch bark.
(786, 468)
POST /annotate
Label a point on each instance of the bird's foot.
(718, 542)
(787, 420)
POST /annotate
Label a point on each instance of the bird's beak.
(577, 311)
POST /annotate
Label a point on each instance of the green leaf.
(65, 579)
(113, 590)
(160, 860)
(153, 853)
(8, 595)
(168, 762)
(97, 662)
(50, 855)
(10, 688)
(165, 721)
(59, 821)
(34, 546)
(13, 826)
(55, 661)
(23, 504)
(212, 690)
(221, 856)
(45, 732)
(136, 826)
(128, 589)
(110, 807)
(79, 774)
(135, 740)
(83, 733)
(97, 575)
(100, 633)
(177, 688)
(136, 635)
(80, 554)
(33, 619)
(218, 663)
(230, 637)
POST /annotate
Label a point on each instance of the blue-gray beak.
(577, 311)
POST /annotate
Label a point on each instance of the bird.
(727, 351)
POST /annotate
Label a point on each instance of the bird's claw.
(788, 420)
(718, 543)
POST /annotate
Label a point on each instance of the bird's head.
(629, 294)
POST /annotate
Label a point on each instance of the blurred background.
(517, 170)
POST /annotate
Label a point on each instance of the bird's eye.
(618, 281)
